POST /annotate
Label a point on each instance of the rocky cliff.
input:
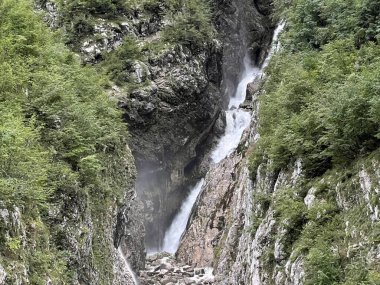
(68, 201)
(304, 210)
(172, 96)
(278, 227)
(174, 93)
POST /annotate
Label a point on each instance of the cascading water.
(127, 267)
(237, 120)
(178, 226)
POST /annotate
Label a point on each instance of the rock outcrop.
(170, 122)
(175, 120)
(90, 241)
(174, 115)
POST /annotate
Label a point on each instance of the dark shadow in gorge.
(165, 167)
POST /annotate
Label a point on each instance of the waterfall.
(178, 226)
(237, 120)
(276, 45)
(127, 267)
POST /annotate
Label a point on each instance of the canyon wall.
(256, 228)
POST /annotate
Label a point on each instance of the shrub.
(190, 24)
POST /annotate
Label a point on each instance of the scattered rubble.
(163, 269)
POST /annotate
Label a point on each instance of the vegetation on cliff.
(321, 104)
(150, 27)
(321, 100)
(61, 138)
(188, 22)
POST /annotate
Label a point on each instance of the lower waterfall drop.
(127, 266)
(178, 226)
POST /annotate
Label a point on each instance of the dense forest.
(321, 105)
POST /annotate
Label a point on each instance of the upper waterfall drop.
(237, 120)
(249, 74)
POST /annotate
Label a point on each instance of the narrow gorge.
(181, 142)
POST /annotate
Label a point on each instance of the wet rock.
(170, 128)
(252, 88)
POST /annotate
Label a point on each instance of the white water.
(178, 226)
(276, 45)
(237, 121)
(128, 267)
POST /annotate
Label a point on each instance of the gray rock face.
(246, 29)
(172, 118)
(52, 15)
(220, 233)
(236, 230)
(169, 121)
(3, 275)
(173, 121)
(11, 225)
(75, 227)
(129, 231)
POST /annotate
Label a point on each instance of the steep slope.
(174, 65)
(165, 60)
(298, 204)
(65, 167)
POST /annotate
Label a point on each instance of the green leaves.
(191, 25)
(23, 162)
(61, 137)
(321, 106)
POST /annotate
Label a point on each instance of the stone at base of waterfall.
(163, 269)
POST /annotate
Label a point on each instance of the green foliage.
(78, 17)
(23, 162)
(118, 64)
(60, 135)
(322, 266)
(190, 24)
(256, 157)
(313, 23)
(263, 200)
(13, 244)
(104, 8)
(320, 103)
(321, 100)
(289, 208)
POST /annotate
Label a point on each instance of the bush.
(322, 107)
(118, 63)
(322, 266)
(190, 24)
(60, 136)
